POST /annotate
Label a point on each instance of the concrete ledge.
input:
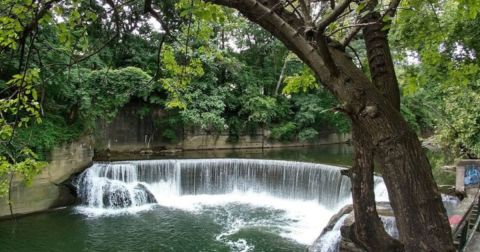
(46, 190)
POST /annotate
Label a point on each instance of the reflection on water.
(337, 154)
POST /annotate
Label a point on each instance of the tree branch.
(333, 16)
(392, 8)
(94, 52)
(327, 57)
(159, 59)
(357, 56)
(149, 9)
(115, 15)
(346, 41)
(305, 7)
(361, 25)
(32, 25)
(391, 11)
(287, 31)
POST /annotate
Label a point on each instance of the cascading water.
(306, 195)
(133, 183)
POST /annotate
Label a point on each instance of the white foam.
(381, 193)
(241, 245)
(306, 219)
(96, 212)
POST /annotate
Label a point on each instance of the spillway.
(127, 183)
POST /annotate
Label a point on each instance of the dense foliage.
(66, 64)
(437, 46)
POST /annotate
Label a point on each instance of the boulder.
(346, 215)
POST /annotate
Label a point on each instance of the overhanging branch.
(322, 24)
(116, 16)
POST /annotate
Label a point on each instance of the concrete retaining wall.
(129, 132)
(46, 190)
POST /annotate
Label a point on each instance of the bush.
(53, 131)
(170, 135)
(307, 134)
(285, 132)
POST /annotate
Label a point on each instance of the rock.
(449, 168)
(146, 152)
(447, 189)
(116, 196)
(142, 194)
(170, 151)
(318, 243)
(331, 223)
(346, 244)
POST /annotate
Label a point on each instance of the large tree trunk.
(421, 218)
(368, 229)
(369, 232)
(383, 77)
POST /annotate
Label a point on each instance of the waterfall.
(135, 183)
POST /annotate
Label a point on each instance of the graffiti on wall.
(472, 174)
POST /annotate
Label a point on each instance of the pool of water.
(228, 223)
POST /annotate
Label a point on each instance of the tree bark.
(383, 77)
(379, 57)
(369, 232)
(368, 228)
(421, 218)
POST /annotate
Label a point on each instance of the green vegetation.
(436, 46)
(63, 67)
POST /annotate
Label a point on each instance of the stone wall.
(129, 132)
(46, 190)
(206, 142)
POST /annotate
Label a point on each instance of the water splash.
(330, 241)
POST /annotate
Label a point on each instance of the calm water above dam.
(335, 154)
